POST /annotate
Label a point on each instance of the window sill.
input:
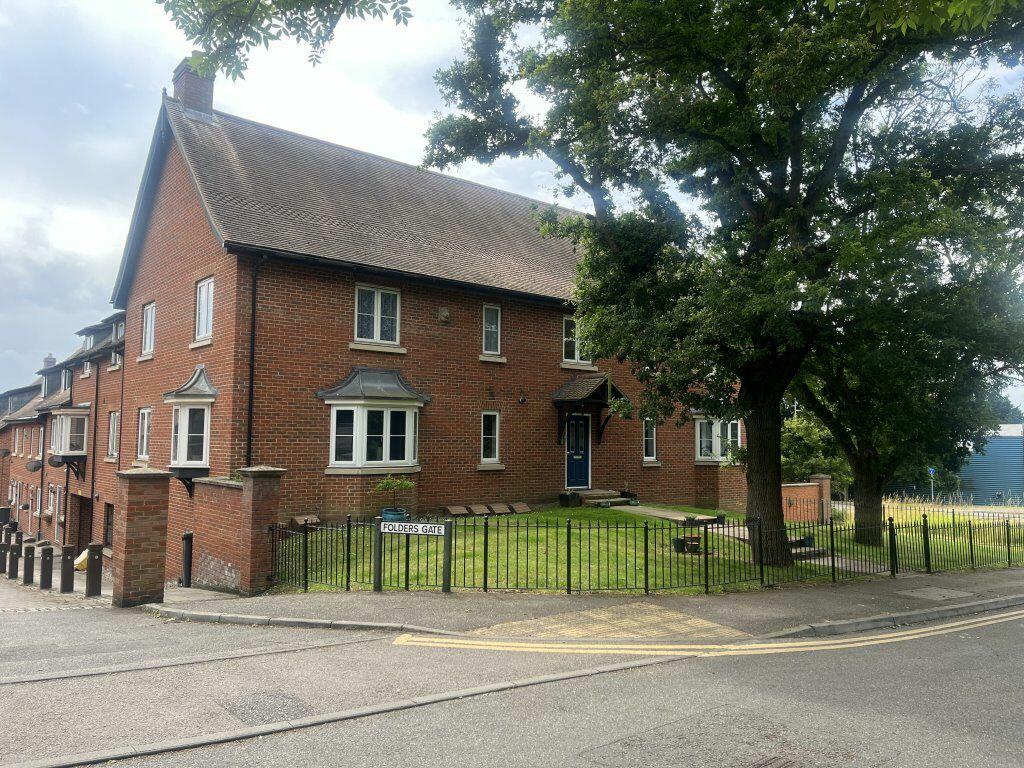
(141, 463)
(112, 368)
(198, 343)
(711, 462)
(144, 358)
(84, 375)
(405, 469)
(490, 466)
(372, 346)
(651, 463)
(569, 365)
(485, 358)
(110, 459)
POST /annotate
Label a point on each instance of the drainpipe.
(252, 360)
(95, 419)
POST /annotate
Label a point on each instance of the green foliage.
(808, 448)
(394, 485)
(1004, 410)
(933, 15)
(763, 176)
(228, 30)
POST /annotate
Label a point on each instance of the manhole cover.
(938, 594)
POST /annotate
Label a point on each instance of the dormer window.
(65, 378)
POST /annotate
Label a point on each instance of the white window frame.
(142, 436)
(496, 458)
(65, 378)
(113, 433)
(377, 291)
(60, 442)
(359, 422)
(719, 452)
(483, 333)
(39, 453)
(179, 433)
(575, 338)
(51, 498)
(17, 442)
(204, 309)
(87, 365)
(653, 440)
(148, 344)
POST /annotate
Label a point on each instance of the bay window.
(68, 435)
(716, 439)
(366, 435)
(190, 435)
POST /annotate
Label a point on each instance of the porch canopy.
(586, 393)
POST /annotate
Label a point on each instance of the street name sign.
(415, 529)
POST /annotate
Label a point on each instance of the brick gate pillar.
(824, 495)
(140, 536)
(261, 501)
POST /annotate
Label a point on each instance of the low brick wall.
(807, 502)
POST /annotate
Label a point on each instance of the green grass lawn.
(604, 549)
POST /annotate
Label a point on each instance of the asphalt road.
(929, 700)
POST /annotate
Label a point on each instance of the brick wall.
(807, 502)
(178, 250)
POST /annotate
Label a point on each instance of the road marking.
(638, 621)
(705, 649)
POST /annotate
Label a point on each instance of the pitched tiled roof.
(271, 189)
(27, 412)
(586, 386)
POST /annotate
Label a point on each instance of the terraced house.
(295, 303)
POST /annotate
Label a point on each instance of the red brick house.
(62, 437)
(294, 303)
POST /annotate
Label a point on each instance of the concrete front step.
(615, 501)
(597, 493)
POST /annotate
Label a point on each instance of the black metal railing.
(531, 553)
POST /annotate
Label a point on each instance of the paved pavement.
(729, 615)
(102, 679)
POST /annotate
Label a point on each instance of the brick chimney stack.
(49, 361)
(195, 91)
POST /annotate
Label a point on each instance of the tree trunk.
(868, 512)
(764, 480)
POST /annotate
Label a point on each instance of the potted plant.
(391, 484)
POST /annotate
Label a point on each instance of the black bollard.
(28, 569)
(5, 544)
(13, 556)
(46, 567)
(5, 515)
(186, 559)
(94, 570)
(67, 568)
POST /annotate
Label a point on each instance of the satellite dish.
(54, 461)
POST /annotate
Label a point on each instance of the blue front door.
(577, 451)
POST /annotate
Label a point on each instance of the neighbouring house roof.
(591, 387)
(27, 412)
(271, 190)
(373, 384)
(56, 400)
(198, 387)
(37, 384)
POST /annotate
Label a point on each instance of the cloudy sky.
(80, 85)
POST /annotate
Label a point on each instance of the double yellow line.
(706, 650)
